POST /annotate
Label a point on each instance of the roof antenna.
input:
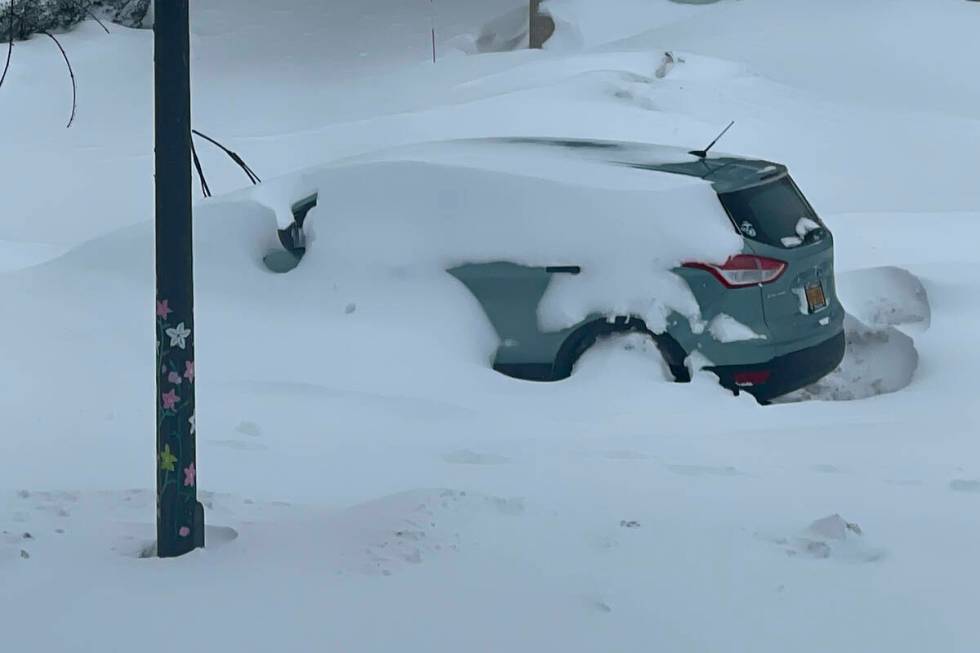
(703, 154)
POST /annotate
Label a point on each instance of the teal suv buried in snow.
(781, 286)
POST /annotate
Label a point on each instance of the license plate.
(815, 297)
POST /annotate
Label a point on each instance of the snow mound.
(885, 296)
(634, 355)
(505, 33)
(425, 211)
(390, 534)
(877, 360)
(831, 537)
(588, 23)
(16, 256)
(56, 526)
(379, 537)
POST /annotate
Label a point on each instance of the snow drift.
(427, 209)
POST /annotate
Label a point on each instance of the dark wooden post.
(542, 26)
(180, 518)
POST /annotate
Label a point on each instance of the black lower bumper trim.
(787, 373)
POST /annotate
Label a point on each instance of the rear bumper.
(785, 373)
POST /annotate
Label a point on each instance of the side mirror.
(293, 240)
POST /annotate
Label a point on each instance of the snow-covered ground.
(372, 485)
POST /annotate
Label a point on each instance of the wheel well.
(586, 335)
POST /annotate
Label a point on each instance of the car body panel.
(788, 317)
(744, 305)
(510, 294)
(776, 312)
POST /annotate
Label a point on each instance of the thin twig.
(74, 86)
(205, 189)
(254, 178)
(10, 48)
(432, 21)
(89, 11)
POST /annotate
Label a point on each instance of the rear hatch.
(800, 307)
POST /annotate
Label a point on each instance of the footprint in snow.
(597, 604)
(903, 482)
(965, 485)
(251, 429)
(826, 469)
(703, 470)
(625, 455)
(240, 445)
(467, 457)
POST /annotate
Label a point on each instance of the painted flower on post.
(190, 476)
(192, 420)
(175, 378)
(163, 309)
(189, 371)
(167, 460)
(169, 399)
(179, 335)
(184, 531)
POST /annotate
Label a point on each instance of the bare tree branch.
(10, 48)
(88, 10)
(11, 14)
(74, 86)
(205, 189)
(252, 177)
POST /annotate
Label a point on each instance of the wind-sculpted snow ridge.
(505, 33)
(375, 538)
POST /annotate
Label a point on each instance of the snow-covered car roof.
(590, 162)
(725, 172)
(554, 160)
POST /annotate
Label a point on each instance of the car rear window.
(774, 213)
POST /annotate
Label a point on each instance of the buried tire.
(585, 337)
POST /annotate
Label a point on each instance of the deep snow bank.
(877, 360)
(505, 33)
(885, 296)
(897, 54)
(14, 256)
(431, 208)
(880, 357)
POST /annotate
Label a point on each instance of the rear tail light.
(751, 378)
(744, 270)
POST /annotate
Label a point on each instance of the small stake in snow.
(180, 517)
(432, 19)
